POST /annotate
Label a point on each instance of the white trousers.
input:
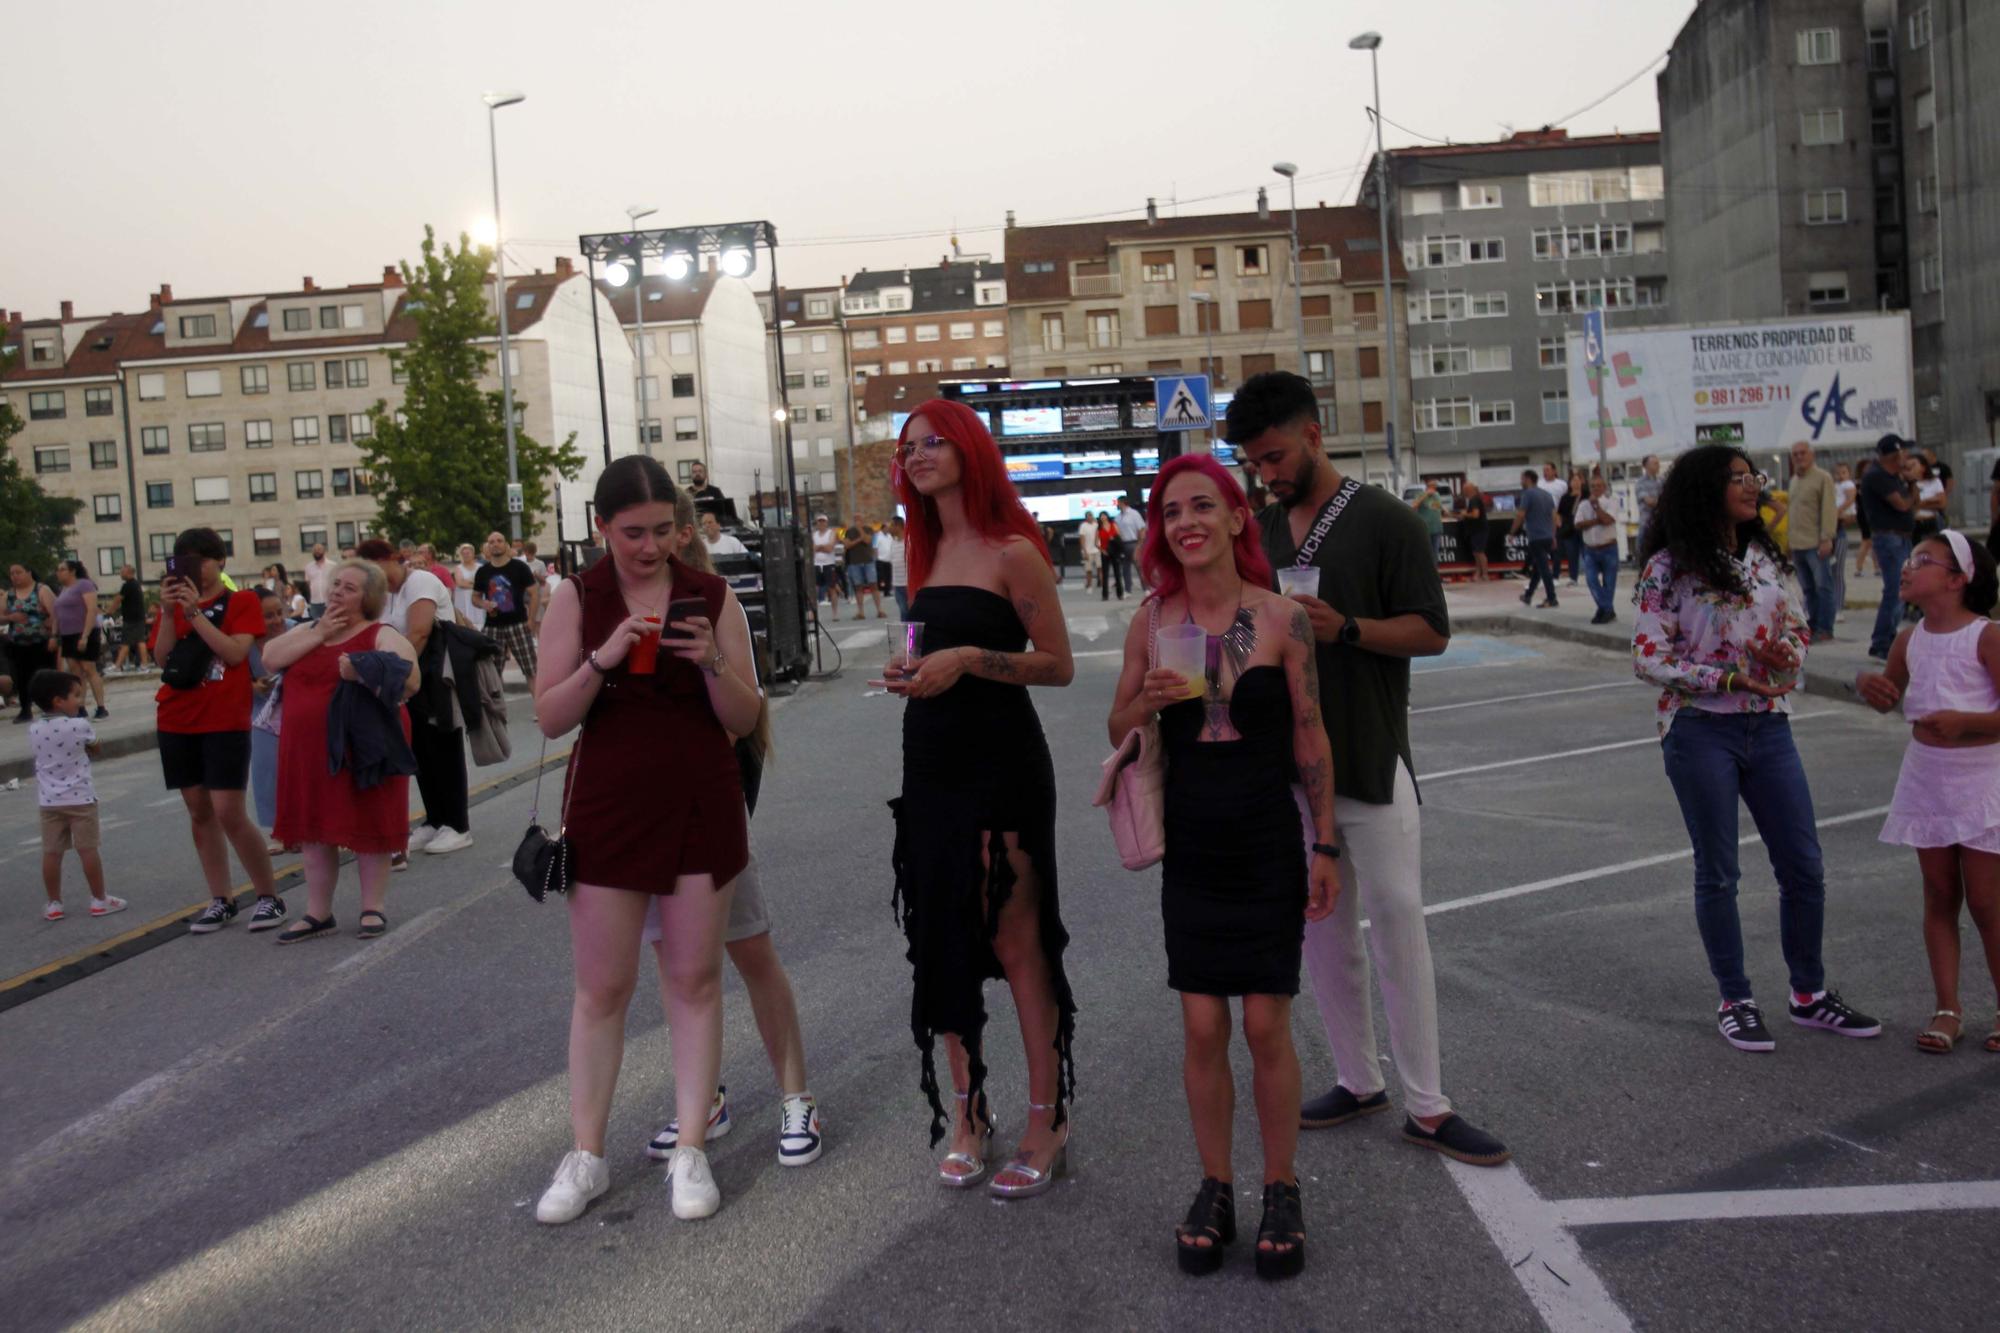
(1381, 871)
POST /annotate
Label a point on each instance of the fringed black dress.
(975, 768)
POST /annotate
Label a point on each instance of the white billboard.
(1839, 381)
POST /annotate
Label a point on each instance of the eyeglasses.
(926, 446)
(1919, 560)
(1757, 479)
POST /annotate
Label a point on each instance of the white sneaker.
(798, 1131)
(108, 904)
(580, 1177)
(663, 1143)
(695, 1194)
(421, 836)
(448, 840)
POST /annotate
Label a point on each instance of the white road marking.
(1835, 1201)
(414, 929)
(1623, 867)
(1565, 1291)
(1101, 652)
(1571, 754)
(1092, 628)
(174, 799)
(1517, 698)
(1416, 670)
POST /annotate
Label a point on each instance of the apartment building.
(927, 321)
(705, 392)
(1781, 140)
(247, 413)
(818, 387)
(1212, 294)
(1508, 244)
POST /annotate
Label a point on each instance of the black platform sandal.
(1212, 1214)
(307, 928)
(372, 929)
(1283, 1225)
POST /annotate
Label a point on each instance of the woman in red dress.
(322, 811)
(653, 811)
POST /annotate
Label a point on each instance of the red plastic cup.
(645, 654)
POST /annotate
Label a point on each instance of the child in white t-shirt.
(64, 743)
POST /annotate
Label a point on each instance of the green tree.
(34, 525)
(439, 473)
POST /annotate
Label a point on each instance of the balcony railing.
(1318, 271)
(1099, 284)
(1102, 339)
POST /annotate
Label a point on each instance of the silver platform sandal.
(1038, 1181)
(974, 1167)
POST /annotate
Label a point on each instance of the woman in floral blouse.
(1721, 631)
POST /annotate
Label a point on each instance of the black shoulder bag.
(542, 863)
(187, 663)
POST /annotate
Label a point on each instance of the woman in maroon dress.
(653, 810)
(324, 812)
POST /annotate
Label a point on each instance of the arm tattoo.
(1027, 608)
(1030, 668)
(1306, 709)
(1317, 777)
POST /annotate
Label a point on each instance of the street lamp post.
(494, 101)
(1371, 42)
(1290, 172)
(633, 214)
(1208, 335)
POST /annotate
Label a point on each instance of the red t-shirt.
(222, 701)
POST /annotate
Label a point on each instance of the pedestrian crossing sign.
(1180, 402)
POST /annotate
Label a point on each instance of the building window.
(1926, 109)
(211, 490)
(1649, 238)
(899, 333)
(310, 537)
(822, 379)
(48, 405)
(159, 545)
(97, 402)
(263, 487)
(357, 372)
(159, 495)
(1819, 46)
(1589, 241)
(1555, 407)
(683, 386)
(993, 328)
(110, 559)
(1491, 250)
(257, 435)
(960, 330)
(1109, 368)
(687, 428)
(152, 439)
(329, 316)
(1920, 28)
(1819, 128)
(1368, 362)
(1204, 261)
(1825, 206)
(680, 342)
(649, 431)
(204, 383)
(649, 388)
(299, 375)
(334, 379)
(107, 508)
(343, 481)
(1882, 127)
(336, 428)
(822, 412)
(818, 308)
(52, 458)
(205, 437)
(1434, 252)
(1253, 260)
(255, 379)
(360, 426)
(1102, 326)
(152, 387)
(305, 430)
(266, 541)
(1319, 367)
(819, 343)
(1499, 413)
(929, 365)
(197, 326)
(1824, 289)
(1554, 353)
(309, 485)
(927, 333)
(1478, 194)
(42, 351)
(795, 379)
(865, 369)
(903, 368)
(1442, 413)
(864, 339)
(965, 363)
(103, 454)
(1052, 332)
(1253, 315)
(1927, 194)
(1930, 274)
(1423, 203)
(1163, 321)
(1486, 305)
(1156, 266)
(1561, 298)
(298, 321)
(397, 375)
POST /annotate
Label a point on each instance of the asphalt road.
(222, 1134)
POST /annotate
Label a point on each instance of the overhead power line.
(1594, 103)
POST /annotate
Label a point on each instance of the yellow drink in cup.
(1184, 648)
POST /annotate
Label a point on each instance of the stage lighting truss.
(678, 251)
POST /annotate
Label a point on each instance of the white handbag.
(1133, 788)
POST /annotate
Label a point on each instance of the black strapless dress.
(975, 768)
(1233, 884)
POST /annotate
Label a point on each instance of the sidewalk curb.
(119, 747)
(51, 977)
(1818, 685)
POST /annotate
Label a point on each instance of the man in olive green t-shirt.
(1812, 512)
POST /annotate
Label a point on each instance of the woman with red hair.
(974, 859)
(1237, 886)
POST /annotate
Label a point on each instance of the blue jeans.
(1570, 549)
(1539, 567)
(1712, 759)
(1600, 573)
(902, 596)
(264, 776)
(1816, 587)
(1891, 550)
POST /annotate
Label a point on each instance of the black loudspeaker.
(785, 604)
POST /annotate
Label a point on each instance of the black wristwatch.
(1350, 632)
(1327, 849)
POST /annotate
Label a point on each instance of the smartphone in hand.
(682, 608)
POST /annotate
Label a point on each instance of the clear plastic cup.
(1296, 579)
(906, 643)
(1184, 648)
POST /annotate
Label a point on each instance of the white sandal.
(1939, 1043)
(975, 1166)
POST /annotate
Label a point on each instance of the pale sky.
(230, 147)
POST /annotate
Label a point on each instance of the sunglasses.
(928, 445)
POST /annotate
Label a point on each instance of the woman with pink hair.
(1237, 886)
(974, 859)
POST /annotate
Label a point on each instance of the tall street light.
(1290, 172)
(1208, 333)
(1371, 42)
(633, 214)
(494, 101)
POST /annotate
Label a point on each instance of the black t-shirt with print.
(1876, 486)
(1375, 563)
(506, 586)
